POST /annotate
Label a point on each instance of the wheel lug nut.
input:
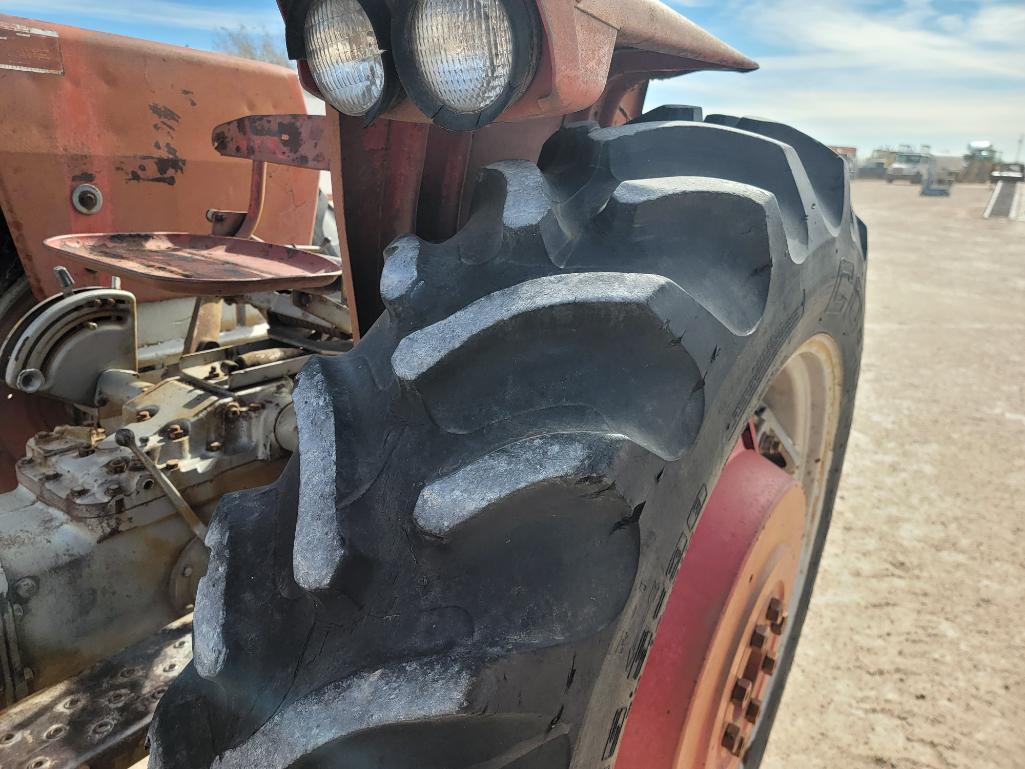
(769, 664)
(754, 709)
(775, 611)
(741, 691)
(777, 627)
(731, 738)
(760, 636)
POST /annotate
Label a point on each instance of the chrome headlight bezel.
(380, 20)
(525, 26)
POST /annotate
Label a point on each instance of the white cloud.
(906, 38)
(867, 74)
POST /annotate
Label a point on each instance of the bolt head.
(777, 627)
(741, 691)
(775, 611)
(760, 636)
(731, 736)
(26, 587)
(754, 709)
(769, 664)
(143, 415)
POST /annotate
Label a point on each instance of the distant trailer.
(1006, 201)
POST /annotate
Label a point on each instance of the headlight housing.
(353, 71)
(463, 62)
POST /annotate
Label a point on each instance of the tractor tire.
(466, 562)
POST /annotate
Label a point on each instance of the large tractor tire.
(467, 561)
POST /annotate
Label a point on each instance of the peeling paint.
(166, 114)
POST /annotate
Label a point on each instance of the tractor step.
(98, 718)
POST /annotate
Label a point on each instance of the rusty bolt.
(136, 466)
(18, 611)
(117, 466)
(113, 490)
(741, 691)
(769, 664)
(80, 491)
(760, 636)
(26, 587)
(187, 571)
(777, 627)
(731, 737)
(86, 451)
(52, 476)
(214, 446)
(754, 709)
(143, 415)
(775, 611)
(174, 432)
(232, 412)
(738, 748)
(172, 464)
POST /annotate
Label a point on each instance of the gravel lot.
(914, 652)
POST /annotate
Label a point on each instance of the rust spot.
(170, 181)
(166, 114)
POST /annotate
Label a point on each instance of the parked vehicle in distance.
(910, 167)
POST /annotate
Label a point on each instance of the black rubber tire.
(466, 564)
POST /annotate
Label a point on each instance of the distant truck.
(911, 167)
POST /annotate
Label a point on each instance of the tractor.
(536, 474)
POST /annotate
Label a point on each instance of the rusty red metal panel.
(651, 25)
(134, 118)
(197, 265)
(290, 140)
(381, 170)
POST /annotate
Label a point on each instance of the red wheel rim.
(699, 699)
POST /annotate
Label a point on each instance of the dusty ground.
(914, 651)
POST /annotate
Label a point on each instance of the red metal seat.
(199, 265)
(228, 262)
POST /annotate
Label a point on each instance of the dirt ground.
(914, 651)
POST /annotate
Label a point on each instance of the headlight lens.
(344, 55)
(464, 51)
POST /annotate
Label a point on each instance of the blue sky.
(861, 72)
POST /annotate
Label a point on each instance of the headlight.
(345, 56)
(464, 61)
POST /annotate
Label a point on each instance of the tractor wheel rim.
(710, 670)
